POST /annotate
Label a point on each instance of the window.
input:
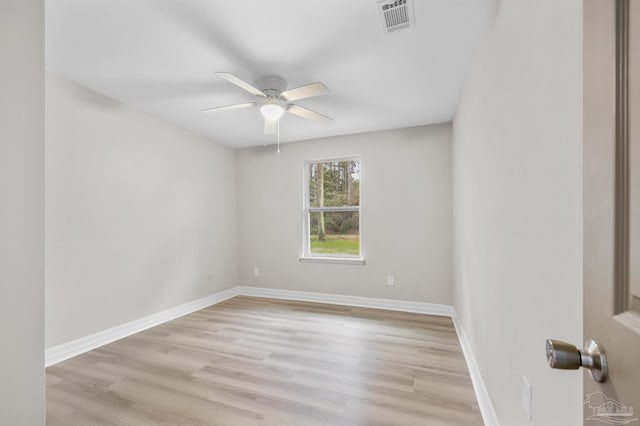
(332, 210)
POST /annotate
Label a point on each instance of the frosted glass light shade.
(272, 111)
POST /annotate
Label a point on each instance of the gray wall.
(21, 212)
(406, 215)
(141, 216)
(518, 206)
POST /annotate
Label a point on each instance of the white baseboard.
(484, 402)
(339, 299)
(76, 347)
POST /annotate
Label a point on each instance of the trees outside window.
(332, 205)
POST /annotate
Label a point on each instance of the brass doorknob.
(565, 356)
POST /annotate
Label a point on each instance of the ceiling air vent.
(396, 14)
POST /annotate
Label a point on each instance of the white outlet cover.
(390, 280)
(256, 272)
(527, 398)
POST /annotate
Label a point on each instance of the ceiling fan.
(274, 99)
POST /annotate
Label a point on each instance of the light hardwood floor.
(255, 361)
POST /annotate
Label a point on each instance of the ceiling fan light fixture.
(271, 111)
(275, 100)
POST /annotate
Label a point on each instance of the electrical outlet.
(527, 398)
(390, 280)
(256, 272)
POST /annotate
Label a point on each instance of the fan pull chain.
(278, 132)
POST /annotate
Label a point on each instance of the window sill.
(334, 260)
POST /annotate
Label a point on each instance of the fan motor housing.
(271, 85)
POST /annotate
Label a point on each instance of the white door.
(612, 207)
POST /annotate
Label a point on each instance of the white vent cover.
(396, 14)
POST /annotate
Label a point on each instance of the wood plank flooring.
(255, 361)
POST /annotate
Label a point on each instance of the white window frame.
(307, 256)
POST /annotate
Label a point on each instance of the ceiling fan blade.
(230, 107)
(241, 84)
(307, 113)
(307, 91)
(270, 126)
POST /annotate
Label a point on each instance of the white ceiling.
(160, 57)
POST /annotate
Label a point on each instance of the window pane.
(334, 184)
(334, 233)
